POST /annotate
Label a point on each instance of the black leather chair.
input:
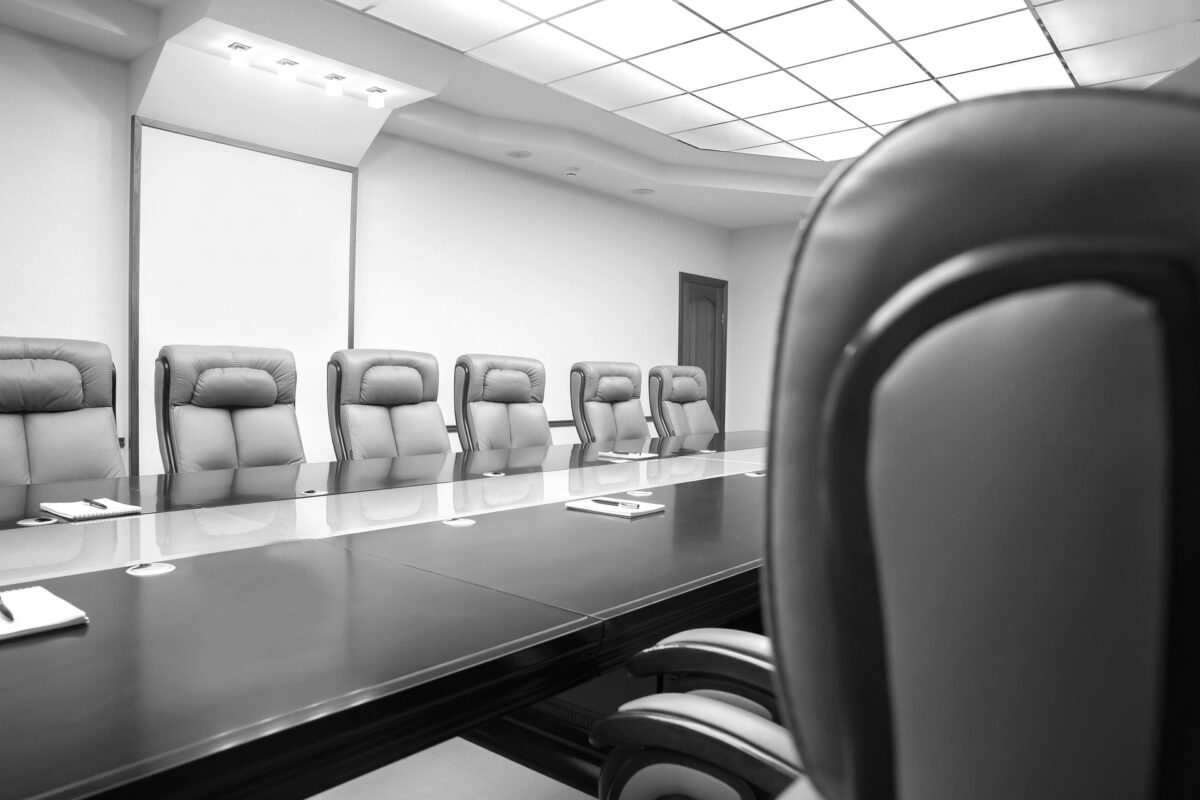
(606, 401)
(981, 565)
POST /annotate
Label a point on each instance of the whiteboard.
(241, 247)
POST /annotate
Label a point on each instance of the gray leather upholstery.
(383, 404)
(498, 402)
(56, 411)
(220, 407)
(980, 427)
(679, 401)
(606, 401)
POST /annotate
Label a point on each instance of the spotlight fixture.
(239, 55)
(572, 172)
(519, 154)
(287, 70)
(375, 97)
(642, 191)
(333, 84)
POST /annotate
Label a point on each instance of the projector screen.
(240, 247)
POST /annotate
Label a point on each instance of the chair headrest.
(681, 384)
(609, 381)
(503, 379)
(233, 376)
(386, 377)
(38, 375)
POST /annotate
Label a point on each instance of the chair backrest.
(56, 411)
(220, 407)
(383, 404)
(498, 402)
(982, 557)
(679, 401)
(606, 401)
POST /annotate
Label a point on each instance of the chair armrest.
(754, 749)
(714, 658)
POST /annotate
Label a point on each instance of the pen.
(8, 615)
(94, 503)
(621, 503)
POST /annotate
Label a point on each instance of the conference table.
(322, 620)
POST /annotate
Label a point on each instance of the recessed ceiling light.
(239, 55)
(660, 23)
(572, 172)
(519, 154)
(375, 97)
(810, 34)
(333, 84)
(287, 70)
(642, 190)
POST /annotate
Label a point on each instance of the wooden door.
(702, 303)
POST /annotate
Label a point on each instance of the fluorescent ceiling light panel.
(864, 71)
(807, 121)
(902, 102)
(726, 136)
(778, 149)
(1083, 22)
(616, 86)
(633, 27)
(888, 127)
(761, 95)
(543, 54)
(1162, 50)
(981, 44)
(914, 17)
(1140, 82)
(810, 34)
(547, 8)
(836, 146)
(1043, 72)
(461, 24)
(705, 62)
(676, 114)
(730, 13)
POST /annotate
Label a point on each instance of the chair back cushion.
(56, 411)
(498, 402)
(606, 401)
(383, 404)
(220, 407)
(679, 401)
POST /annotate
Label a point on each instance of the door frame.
(715, 390)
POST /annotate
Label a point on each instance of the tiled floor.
(453, 770)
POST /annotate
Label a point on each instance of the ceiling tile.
(676, 114)
(632, 27)
(1140, 82)
(1075, 23)
(459, 24)
(1157, 51)
(864, 71)
(914, 17)
(761, 95)
(704, 63)
(726, 136)
(903, 102)
(547, 8)
(779, 149)
(543, 54)
(980, 44)
(836, 146)
(616, 86)
(808, 121)
(1043, 72)
(829, 29)
(730, 14)
(888, 127)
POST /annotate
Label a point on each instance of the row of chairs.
(223, 407)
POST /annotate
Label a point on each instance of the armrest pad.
(756, 750)
(732, 655)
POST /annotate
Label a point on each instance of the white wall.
(458, 255)
(759, 263)
(64, 173)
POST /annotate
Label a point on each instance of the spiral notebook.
(84, 509)
(615, 507)
(36, 609)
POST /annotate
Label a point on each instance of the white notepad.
(627, 454)
(36, 609)
(84, 510)
(626, 508)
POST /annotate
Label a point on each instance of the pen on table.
(94, 503)
(622, 503)
(8, 615)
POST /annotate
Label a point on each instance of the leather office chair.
(981, 563)
(679, 401)
(498, 402)
(220, 407)
(57, 421)
(606, 401)
(383, 404)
